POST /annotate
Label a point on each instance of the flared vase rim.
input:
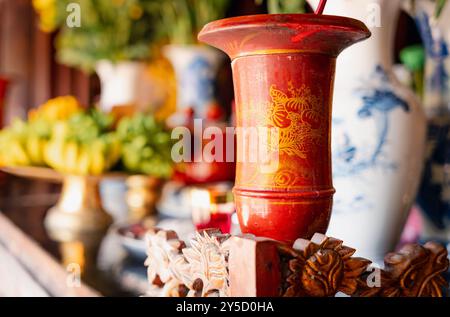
(267, 20)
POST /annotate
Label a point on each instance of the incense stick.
(321, 7)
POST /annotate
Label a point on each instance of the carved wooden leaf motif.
(208, 258)
(181, 270)
(322, 267)
(413, 271)
(418, 269)
(163, 247)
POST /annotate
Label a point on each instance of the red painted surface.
(3, 87)
(203, 169)
(219, 220)
(283, 70)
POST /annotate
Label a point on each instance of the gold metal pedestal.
(78, 221)
(79, 210)
(143, 191)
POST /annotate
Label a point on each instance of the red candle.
(212, 207)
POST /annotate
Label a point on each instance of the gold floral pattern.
(297, 115)
(302, 132)
(285, 178)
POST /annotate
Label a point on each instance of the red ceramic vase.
(283, 72)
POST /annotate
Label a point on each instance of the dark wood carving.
(321, 267)
(247, 266)
(413, 271)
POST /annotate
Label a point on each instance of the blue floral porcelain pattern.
(197, 84)
(434, 191)
(435, 49)
(378, 101)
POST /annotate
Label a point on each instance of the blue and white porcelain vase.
(195, 69)
(378, 135)
(434, 192)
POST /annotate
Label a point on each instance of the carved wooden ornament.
(164, 248)
(198, 270)
(246, 266)
(321, 267)
(208, 259)
(413, 271)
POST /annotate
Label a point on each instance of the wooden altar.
(27, 270)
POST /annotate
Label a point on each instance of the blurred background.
(87, 112)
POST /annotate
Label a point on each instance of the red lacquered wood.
(283, 72)
(3, 86)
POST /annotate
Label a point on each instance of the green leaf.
(284, 6)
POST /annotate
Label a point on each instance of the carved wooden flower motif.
(164, 248)
(208, 260)
(321, 267)
(413, 271)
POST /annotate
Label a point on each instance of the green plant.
(146, 146)
(283, 6)
(181, 20)
(114, 30)
(439, 6)
(413, 57)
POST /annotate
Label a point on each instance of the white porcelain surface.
(378, 135)
(120, 83)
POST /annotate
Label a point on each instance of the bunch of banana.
(12, 149)
(83, 159)
(83, 145)
(37, 137)
(24, 143)
(146, 146)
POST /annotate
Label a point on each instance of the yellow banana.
(97, 161)
(18, 154)
(71, 157)
(113, 155)
(83, 162)
(54, 155)
(34, 150)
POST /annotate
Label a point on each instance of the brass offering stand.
(78, 221)
(79, 209)
(142, 194)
